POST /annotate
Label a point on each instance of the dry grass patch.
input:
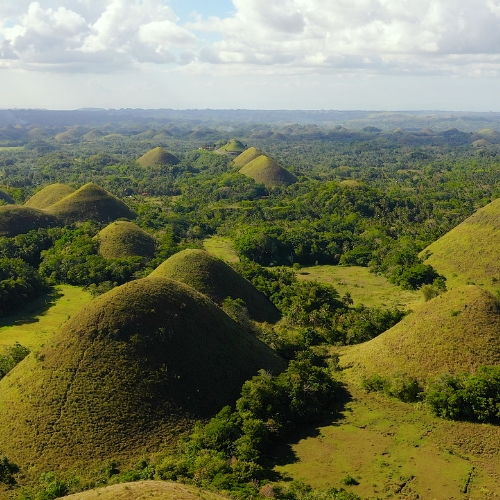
(397, 450)
(49, 195)
(123, 239)
(157, 157)
(365, 288)
(469, 253)
(221, 248)
(150, 490)
(454, 332)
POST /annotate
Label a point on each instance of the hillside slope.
(125, 239)
(125, 376)
(213, 277)
(265, 170)
(49, 195)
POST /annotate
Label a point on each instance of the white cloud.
(278, 36)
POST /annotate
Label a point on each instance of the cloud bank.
(415, 37)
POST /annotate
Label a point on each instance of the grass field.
(397, 450)
(365, 287)
(34, 324)
(11, 148)
(221, 247)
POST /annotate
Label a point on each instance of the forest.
(312, 197)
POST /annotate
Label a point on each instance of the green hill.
(49, 195)
(489, 134)
(90, 202)
(6, 198)
(93, 135)
(265, 170)
(126, 376)
(157, 157)
(247, 156)
(454, 332)
(216, 279)
(469, 253)
(16, 220)
(125, 239)
(233, 146)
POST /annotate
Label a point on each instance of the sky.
(251, 54)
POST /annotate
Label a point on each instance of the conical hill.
(157, 157)
(233, 146)
(265, 170)
(454, 332)
(247, 156)
(90, 202)
(49, 195)
(216, 279)
(16, 220)
(125, 239)
(125, 376)
(469, 253)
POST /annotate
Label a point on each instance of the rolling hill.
(90, 202)
(233, 147)
(265, 170)
(16, 220)
(247, 156)
(216, 279)
(49, 195)
(469, 253)
(127, 375)
(125, 239)
(157, 157)
(454, 332)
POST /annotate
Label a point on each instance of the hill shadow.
(28, 314)
(283, 453)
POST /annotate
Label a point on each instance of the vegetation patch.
(90, 202)
(5, 198)
(49, 195)
(123, 239)
(216, 279)
(221, 248)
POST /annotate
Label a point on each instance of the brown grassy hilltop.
(213, 277)
(454, 332)
(125, 239)
(126, 376)
(90, 202)
(267, 171)
(469, 253)
(16, 220)
(157, 157)
(49, 195)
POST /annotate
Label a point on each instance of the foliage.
(405, 388)
(475, 397)
(14, 355)
(7, 471)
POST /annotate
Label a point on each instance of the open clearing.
(221, 247)
(365, 288)
(398, 450)
(34, 324)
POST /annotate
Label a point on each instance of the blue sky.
(254, 54)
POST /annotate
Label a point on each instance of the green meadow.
(40, 319)
(221, 247)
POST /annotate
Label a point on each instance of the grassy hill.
(247, 156)
(233, 146)
(489, 134)
(457, 331)
(125, 239)
(90, 202)
(126, 376)
(216, 279)
(469, 253)
(16, 220)
(152, 490)
(157, 157)
(49, 195)
(265, 170)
